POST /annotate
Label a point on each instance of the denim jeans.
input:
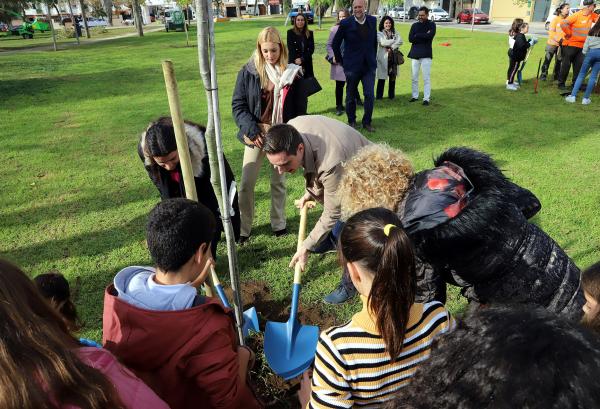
(592, 60)
(367, 77)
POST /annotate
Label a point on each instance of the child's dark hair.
(390, 257)
(176, 229)
(514, 28)
(590, 283)
(519, 356)
(54, 287)
(382, 22)
(559, 8)
(595, 30)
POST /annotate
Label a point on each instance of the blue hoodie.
(137, 287)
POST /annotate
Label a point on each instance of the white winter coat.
(382, 55)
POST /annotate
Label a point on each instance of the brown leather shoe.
(368, 128)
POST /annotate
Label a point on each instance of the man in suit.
(355, 48)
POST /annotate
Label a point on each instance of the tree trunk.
(185, 26)
(51, 26)
(107, 4)
(214, 146)
(373, 6)
(60, 19)
(238, 8)
(137, 15)
(84, 18)
(75, 23)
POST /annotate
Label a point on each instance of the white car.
(439, 14)
(94, 22)
(398, 12)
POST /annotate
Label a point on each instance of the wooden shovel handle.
(301, 237)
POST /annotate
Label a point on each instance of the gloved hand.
(533, 41)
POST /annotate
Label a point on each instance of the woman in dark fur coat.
(470, 227)
(158, 150)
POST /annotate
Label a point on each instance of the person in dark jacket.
(517, 55)
(421, 36)
(470, 228)
(158, 151)
(301, 45)
(358, 35)
(266, 93)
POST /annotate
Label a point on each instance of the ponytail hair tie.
(387, 228)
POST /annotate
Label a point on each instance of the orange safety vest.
(555, 33)
(577, 27)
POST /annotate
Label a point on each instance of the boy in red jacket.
(181, 344)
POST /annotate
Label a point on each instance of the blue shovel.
(289, 346)
(250, 316)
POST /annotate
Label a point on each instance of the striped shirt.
(352, 367)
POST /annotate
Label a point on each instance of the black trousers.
(339, 95)
(513, 68)
(551, 51)
(570, 55)
(381, 87)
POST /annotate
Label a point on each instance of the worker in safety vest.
(575, 28)
(555, 38)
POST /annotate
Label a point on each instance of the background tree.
(137, 15)
(185, 6)
(82, 7)
(12, 6)
(320, 7)
(98, 10)
(107, 5)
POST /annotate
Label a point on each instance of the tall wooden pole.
(183, 149)
(75, 23)
(208, 72)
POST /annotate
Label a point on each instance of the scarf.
(280, 80)
(388, 34)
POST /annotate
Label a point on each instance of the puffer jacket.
(476, 235)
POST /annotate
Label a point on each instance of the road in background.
(536, 29)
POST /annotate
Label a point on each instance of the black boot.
(392, 89)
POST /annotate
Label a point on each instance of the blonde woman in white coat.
(388, 41)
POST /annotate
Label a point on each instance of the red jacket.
(188, 357)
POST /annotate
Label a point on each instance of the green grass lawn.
(75, 195)
(12, 42)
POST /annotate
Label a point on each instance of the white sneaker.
(570, 99)
(586, 101)
(511, 87)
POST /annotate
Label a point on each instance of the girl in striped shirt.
(363, 362)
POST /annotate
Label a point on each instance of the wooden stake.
(182, 143)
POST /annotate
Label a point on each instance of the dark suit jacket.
(356, 52)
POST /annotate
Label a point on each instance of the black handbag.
(310, 86)
(398, 57)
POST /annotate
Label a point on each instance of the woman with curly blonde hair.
(469, 225)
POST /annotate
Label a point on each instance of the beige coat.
(327, 144)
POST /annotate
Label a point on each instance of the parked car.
(308, 13)
(466, 16)
(439, 14)
(413, 12)
(398, 12)
(93, 22)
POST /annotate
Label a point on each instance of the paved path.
(62, 46)
(536, 28)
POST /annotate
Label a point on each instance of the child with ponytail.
(375, 354)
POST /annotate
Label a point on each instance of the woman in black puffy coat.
(470, 228)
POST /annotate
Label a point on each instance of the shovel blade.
(250, 322)
(290, 347)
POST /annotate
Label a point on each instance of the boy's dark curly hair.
(175, 231)
(509, 357)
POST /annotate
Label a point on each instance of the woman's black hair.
(514, 28)
(595, 30)
(390, 257)
(382, 22)
(559, 8)
(160, 137)
(54, 287)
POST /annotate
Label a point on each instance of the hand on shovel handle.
(301, 257)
